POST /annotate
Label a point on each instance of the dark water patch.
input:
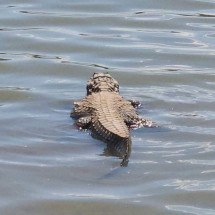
(100, 66)
(12, 95)
(90, 207)
(19, 29)
(3, 59)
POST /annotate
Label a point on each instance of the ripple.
(182, 93)
(12, 94)
(13, 88)
(20, 56)
(207, 15)
(206, 115)
(193, 185)
(191, 209)
(87, 195)
(20, 29)
(4, 59)
(198, 162)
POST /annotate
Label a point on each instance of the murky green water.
(162, 53)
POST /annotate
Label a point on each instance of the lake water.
(161, 52)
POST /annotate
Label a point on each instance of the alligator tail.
(126, 156)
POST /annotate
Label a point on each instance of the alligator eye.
(109, 80)
(95, 73)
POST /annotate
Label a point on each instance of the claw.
(147, 123)
(135, 104)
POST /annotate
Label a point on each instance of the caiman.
(108, 115)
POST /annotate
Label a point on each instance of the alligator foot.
(84, 122)
(139, 122)
(147, 124)
(135, 104)
(144, 123)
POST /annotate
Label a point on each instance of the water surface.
(162, 53)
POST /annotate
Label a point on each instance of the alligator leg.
(80, 109)
(132, 120)
(83, 122)
(137, 122)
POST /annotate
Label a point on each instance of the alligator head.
(102, 82)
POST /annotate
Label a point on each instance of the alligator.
(108, 115)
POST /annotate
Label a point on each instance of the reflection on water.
(161, 52)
